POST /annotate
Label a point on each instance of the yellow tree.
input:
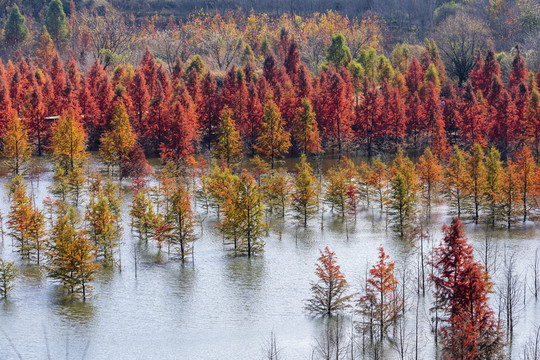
(17, 150)
(304, 196)
(8, 273)
(403, 194)
(430, 174)
(492, 187)
(103, 227)
(457, 181)
(229, 144)
(476, 170)
(378, 179)
(306, 132)
(277, 191)
(71, 255)
(527, 172)
(143, 215)
(274, 140)
(510, 192)
(25, 222)
(117, 143)
(243, 215)
(180, 222)
(68, 143)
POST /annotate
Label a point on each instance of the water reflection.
(72, 311)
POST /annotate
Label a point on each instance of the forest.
(129, 141)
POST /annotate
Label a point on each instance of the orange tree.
(330, 291)
(382, 305)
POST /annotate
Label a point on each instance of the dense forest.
(220, 98)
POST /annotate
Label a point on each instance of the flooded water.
(223, 307)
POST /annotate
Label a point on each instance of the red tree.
(470, 330)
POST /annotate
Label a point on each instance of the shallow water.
(219, 306)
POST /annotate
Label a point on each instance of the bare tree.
(510, 293)
(531, 350)
(459, 38)
(334, 344)
(109, 35)
(270, 348)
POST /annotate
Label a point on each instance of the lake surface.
(223, 307)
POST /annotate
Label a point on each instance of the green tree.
(8, 274)
(338, 53)
(15, 30)
(55, 21)
(401, 205)
(403, 198)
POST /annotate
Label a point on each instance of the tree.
(17, 150)
(382, 305)
(181, 222)
(460, 37)
(492, 188)
(470, 330)
(8, 274)
(103, 227)
(334, 112)
(274, 140)
(55, 21)
(338, 53)
(229, 144)
(329, 292)
(276, 190)
(430, 174)
(401, 204)
(243, 216)
(527, 173)
(403, 197)
(457, 180)
(71, 255)
(45, 50)
(15, 30)
(143, 215)
(116, 143)
(68, 141)
(304, 196)
(181, 132)
(306, 132)
(510, 192)
(476, 171)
